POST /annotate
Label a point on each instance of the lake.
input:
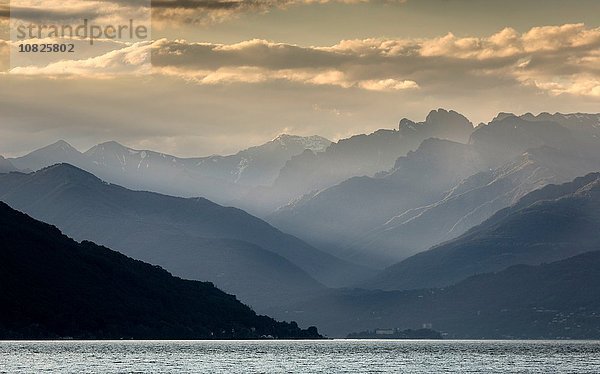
(327, 356)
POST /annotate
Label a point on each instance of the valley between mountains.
(484, 230)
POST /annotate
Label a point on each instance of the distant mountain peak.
(591, 189)
(6, 166)
(109, 145)
(439, 123)
(442, 115)
(55, 153)
(62, 146)
(501, 116)
(65, 170)
(112, 143)
(286, 136)
(314, 143)
(436, 117)
(406, 123)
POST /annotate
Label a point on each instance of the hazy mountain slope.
(474, 200)
(585, 122)
(559, 300)
(550, 224)
(364, 155)
(260, 166)
(152, 227)
(219, 178)
(254, 166)
(507, 136)
(514, 156)
(157, 172)
(54, 287)
(342, 214)
(6, 166)
(55, 153)
(259, 277)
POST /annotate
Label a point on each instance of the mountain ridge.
(549, 224)
(54, 287)
(153, 227)
(557, 300)
(6, 166)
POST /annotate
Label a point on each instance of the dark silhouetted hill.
(53, 287)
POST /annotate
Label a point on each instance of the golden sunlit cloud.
(529, 59)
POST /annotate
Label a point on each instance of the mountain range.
(194, 238)
(337, 216)
(558, 300)
(361, 155)
(472, 201)
(435, 222)
(546, 225)
(219, 178)
(54, 287)
(432, 195)
(259, 179)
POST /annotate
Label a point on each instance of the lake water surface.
(328, 356)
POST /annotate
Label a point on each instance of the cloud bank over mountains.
(445, 63)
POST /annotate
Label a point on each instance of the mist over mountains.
(442, 189)
(193, 238)
(429, 206)
(6, 166)
(557, 300)
(220, 178)
(471, 201)
(360, 204)
(530, 271)
(364, 155)
(259, 179)
(546, 225)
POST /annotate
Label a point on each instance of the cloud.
(551, 59)
(74, 12)
(509, 43)
(210, 11)
(164, 12)
(37, 14)
(129, 59)
(4, 56)
(388, 85)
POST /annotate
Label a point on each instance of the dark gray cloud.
(205, 4)
(40, 14)
(211, 11)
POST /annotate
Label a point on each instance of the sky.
(230, 74)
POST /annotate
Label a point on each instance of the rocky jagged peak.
(443, 116)
(502, 116)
